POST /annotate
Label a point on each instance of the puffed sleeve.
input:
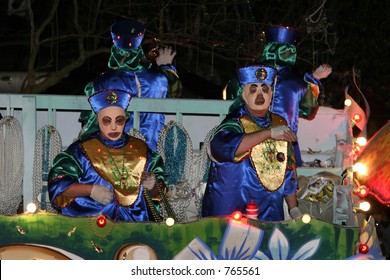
(174, 84)
(309, 103)
(64, 172)
(225, 141)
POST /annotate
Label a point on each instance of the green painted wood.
(74, 235)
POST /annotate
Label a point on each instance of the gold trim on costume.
(135, 159)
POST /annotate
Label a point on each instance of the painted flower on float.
(240, 242)
(279, 248)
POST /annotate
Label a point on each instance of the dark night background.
(211, 38)
(67, 42)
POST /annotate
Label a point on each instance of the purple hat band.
(108, 98)
(281, 34)
(256, 74)
(127, 34)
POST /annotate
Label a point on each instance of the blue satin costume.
(87, 161)
(133, 72)
(295, 97)
(233, 183)
(145, 80)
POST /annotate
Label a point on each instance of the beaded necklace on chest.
(119, 175)
(261, 122)
(270, 153)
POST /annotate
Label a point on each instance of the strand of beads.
(175, 147)
(119, 176)
(152, 208)
(11, 165)
(48, 144)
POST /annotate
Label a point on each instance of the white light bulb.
(364, 206)
(31, 207)
(362, 141)
(169, 221)
(306, 218)
(360, 168)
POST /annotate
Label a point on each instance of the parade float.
(36, 127)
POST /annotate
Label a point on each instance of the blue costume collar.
(114, 143)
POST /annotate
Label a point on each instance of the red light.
(363, 248)
(362, 191)
(357, 118)
(237, 215)
(101, 221)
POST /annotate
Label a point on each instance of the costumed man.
(251, 154)
(132, 71)
(294, 97)
(107, 171)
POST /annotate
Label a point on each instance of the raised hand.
(165, 56)
(322, 72)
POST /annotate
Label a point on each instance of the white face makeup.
(112, 122)
(257, 97)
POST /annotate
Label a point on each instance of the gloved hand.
(165, 56)
(283, 133)
(101, 194)
(295, 213)
(277, 132)
(148, 180)
(322, 71)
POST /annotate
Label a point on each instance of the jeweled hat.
(127, 34)
(282, 34)
(256, 74)
(109, 97)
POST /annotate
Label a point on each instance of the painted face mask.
(257, 97)
(112, 122)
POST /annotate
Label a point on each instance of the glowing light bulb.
(170, 221)
(237, 215)
(347, 102)
(31, 208)
(101, 221)
(306, 218)
(361, 141)
(363, 248)
(362, 191)
(364, 206)
(360, 168)
(357, 118)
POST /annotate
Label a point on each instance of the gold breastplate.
(269, 158)
(122, 167)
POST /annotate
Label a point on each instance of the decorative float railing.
(332, 229)
(62, 112)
